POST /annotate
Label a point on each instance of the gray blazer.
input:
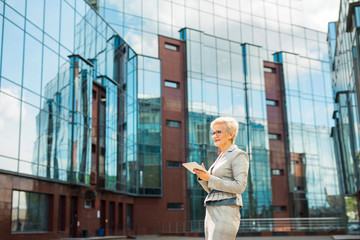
(228, 175)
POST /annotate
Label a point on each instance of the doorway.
(73, 217)
(102, 218)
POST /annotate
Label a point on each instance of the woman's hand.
(202, 174)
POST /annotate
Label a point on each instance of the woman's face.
(221, 138)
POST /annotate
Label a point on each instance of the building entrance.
(73, 217)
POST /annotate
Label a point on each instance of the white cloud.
(317, 14)
(9, 123)
(9, 107)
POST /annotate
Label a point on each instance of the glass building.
(226, 79)
(226, 42)
(101, 101)
(344, 49)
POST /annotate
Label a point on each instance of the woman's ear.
(231, 135)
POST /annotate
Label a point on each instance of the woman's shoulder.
(234, 148)
(237, 152)
(242, 154)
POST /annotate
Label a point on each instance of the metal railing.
(327, 224)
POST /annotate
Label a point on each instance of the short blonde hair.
(232, 125)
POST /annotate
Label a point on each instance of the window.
(279, 208)
(171, 123)
(101, 138)
(274, 136)
(112, 216)
(171, 84)
(277, 172)
(129, 217)
(89, 201)
(120, 216)
(172, 47)
(173, 164)
(30, 212)
(269, 70)
(62, 217)
(272, 102)
(175, 206)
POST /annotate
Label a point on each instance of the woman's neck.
(224, 148)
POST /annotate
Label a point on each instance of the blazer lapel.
(230, 149)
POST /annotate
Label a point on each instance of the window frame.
(46, 207)
(171, 46)
(274, 136)
(173, 123)
(168, 83)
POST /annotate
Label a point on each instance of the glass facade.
(60, 50)
(49, 87)
(271, 24)
(226, 79)
(226, 44)
(314, 183)
(343, 40)
(148, 115)
(53, 53)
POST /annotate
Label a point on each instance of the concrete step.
(346, 237)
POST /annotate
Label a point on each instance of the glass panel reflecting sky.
(308, 126)
(46, 95)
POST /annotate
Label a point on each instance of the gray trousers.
(222, 222)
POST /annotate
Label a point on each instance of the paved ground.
(238, 238)
(336, 237)
(347, 237)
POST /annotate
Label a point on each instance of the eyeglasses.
(217, 133)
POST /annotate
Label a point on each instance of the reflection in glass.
(209, 66)
(52, 18)
(311, 152)
(35, 12)
(212, 97)
(111, 125)
(131, 127)
(80, 98)
(28, 138)
(149, 128)
(9, 125)
(225, 101)
(67, 26)
(32, 64)
(11, 65)
(150, 9)
(30, 212)
(223, 64)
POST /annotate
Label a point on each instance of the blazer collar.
(231, 148)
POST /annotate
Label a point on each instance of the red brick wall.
(152, 213)
(280, 188)
(87, 217)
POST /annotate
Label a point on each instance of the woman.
(224, 182)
